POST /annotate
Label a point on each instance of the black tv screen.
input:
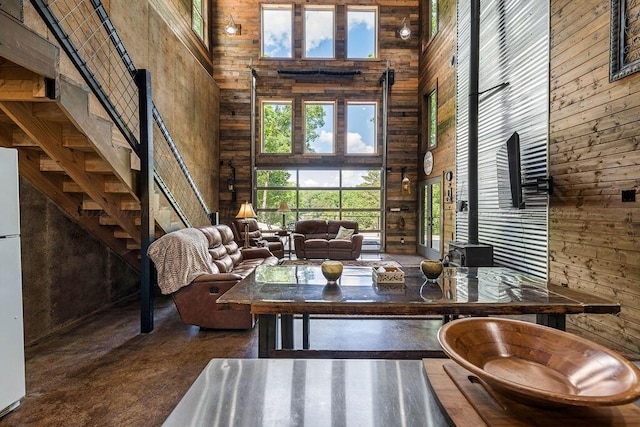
(515, 174)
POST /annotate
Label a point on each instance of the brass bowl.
(538, 365)
(431, 269)
(331, 270)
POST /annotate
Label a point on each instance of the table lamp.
(246, 211)
(283, 209)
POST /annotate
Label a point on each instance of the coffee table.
(286, 290)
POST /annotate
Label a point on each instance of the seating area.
(197, 265)
(317, 238)
(248, 230)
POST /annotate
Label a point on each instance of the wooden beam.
(49, 137)
(22, 46)
(20, 84)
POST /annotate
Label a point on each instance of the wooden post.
(145, 152)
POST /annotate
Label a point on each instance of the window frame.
(278, 6)
(304, 126)
(429, 29)
(375, 132)
(306, 8)
(202, 14)
(278, 101)
(431, 99)
(376, 41)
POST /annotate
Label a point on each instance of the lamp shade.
(283, 207)
(246, 211)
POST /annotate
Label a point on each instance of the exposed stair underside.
(72, 156)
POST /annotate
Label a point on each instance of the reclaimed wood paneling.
(437, 72)
(232, 56)
(594, 243)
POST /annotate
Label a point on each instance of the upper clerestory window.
(362, 32)
(277, 29)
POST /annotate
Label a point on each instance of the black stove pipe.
(472, 158)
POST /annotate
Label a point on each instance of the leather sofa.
(203, 267)
(316, 238)
(256, 238)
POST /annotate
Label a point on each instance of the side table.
(285, 237)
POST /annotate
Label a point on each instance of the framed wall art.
(625, 38)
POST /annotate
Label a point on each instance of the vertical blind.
(514, 50)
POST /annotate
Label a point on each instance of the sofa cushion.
(224, 264)
(312, 244)
(345, 233)
(340, 244)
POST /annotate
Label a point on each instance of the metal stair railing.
(86, 33)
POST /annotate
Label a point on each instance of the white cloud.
(318, 29)
(355, 144)
(368, 19)
(326, 138)
(277, 32)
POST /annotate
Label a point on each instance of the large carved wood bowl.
(538, 365)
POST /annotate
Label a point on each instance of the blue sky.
(361, 130)
(324, 142)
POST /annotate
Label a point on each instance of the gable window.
(198, 19)
(276, 127)
(361, 128)
(319, 127)
(362, 32)
(432, 119)
(277, 28)
(319, 32)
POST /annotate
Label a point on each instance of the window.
(276, 127)
(198, 19)
(433, 21)
(318, 32)
(429, 21)
(361, 128)
(318, 127)
(362, 32)
(432, 119)
(277, 25)
(352, 194)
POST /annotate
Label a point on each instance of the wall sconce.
(404, 31)
(231, 182)
(406, 184)
(231, 28)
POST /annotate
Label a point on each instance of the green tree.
(314, 120)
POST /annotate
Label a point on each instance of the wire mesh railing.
(86, 33)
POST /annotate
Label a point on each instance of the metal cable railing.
(85, 32)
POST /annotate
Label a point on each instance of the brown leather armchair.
(256, 238)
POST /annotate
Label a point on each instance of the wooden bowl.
(538, 365)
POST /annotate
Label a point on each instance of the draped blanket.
(180, 257)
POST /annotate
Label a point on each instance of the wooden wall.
(437, 71)
(594, 243)
(231, 72)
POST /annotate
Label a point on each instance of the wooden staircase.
(76, 158)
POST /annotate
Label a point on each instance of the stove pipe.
(472, 157)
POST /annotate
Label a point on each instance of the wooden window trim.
(372, 8)
(376, 148)
(277, 6)
(306, 8)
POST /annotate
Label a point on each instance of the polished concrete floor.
(105, 373)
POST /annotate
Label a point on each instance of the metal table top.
(314, 392)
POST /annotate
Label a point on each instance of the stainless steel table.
(309, 392)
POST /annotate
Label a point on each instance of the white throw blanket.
(180, 257)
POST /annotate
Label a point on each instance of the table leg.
(266, 334)
(305, 331)
(286, 321)
(557, 321)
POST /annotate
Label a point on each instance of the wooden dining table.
(280, 292)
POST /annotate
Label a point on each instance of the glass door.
(430, 239)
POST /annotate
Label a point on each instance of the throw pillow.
(345, 233)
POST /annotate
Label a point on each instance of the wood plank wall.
(594, 243)
(231, 72)
(437, 72)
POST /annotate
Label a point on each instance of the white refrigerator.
(12, 372)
